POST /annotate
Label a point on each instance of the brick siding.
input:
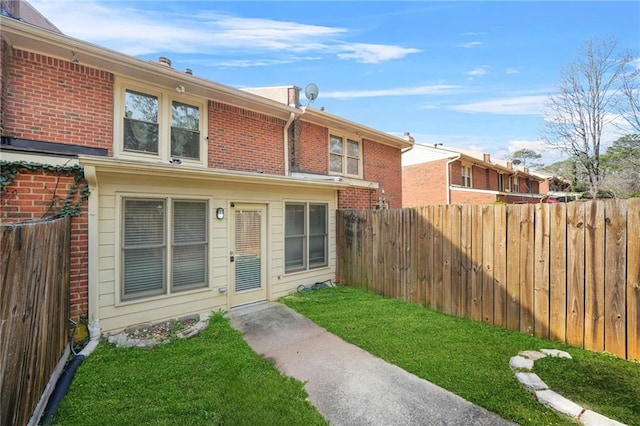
(38, 194)
(56, 101)
(424, 184)
(245, 140)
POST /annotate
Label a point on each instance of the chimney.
(164, 61)
(293, 96)
(526, 170)
(509, 165)
(486, 158)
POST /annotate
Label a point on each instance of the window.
(148, 226)
(344, 155)
(157, 124)
(500, 182)
(530, 187)
(515, 184)
(306, 236)
(466, 176)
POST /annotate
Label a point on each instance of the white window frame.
(345, 139)
(515, 184)
(306, 236)
(165, 96)
(168, 245)
(501, 182)
(467, 178)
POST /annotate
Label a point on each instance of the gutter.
(292, 117)
(448, 177)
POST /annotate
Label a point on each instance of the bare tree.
(631, 97)
(586, 103)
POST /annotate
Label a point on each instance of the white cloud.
(372, 53)
(512, 71)
(478, 71)
(136, 32)
(439, 89)
(470, 44)
(523, 105)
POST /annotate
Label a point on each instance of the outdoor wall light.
(220, 213)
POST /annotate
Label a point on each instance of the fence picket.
(615, 278)
(567, 272)
(575, 274)
(633, 279)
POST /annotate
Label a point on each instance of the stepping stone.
(520, 363)
(556, 352)
(533, 355)
(591, 418)
(531, 381)
(559, 403)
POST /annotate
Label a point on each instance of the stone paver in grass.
(524, 361)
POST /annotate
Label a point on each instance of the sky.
(472, 75)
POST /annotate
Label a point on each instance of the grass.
(210, 379)
(599, 382)
(471, 359)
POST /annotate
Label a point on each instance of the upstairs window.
(140, 122)
(159, 125)
(500, 182)
(345, 156)
(515, 184)
(466, 176)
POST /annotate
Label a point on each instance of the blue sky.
(471, 75)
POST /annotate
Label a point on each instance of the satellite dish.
(311, 92)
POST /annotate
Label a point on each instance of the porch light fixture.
(220, 213)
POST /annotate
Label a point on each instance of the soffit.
(123, 168)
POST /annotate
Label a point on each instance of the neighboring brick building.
(435, 175)
(190, 196)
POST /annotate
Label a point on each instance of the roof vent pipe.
(188, 71)
(164, 61)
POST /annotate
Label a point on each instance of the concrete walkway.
(347, 385)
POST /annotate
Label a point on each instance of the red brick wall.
(313, 149)
(383, 164)
(357, 199)
(245, 140)
(424, 184)
(56, 101)
(38, 194)
(479, 177)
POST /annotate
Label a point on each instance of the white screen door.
(249, 263)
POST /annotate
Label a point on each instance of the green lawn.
(470, 358)
(210, 379)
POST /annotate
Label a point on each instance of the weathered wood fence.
(566, 272)
(34, 312)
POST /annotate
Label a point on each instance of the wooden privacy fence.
(566, 272)
(34, 310)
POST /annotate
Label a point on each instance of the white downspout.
(448, 177)
(92, 287)
(286, 143)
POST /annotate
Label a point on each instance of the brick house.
(190, 196)
(435, 175)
